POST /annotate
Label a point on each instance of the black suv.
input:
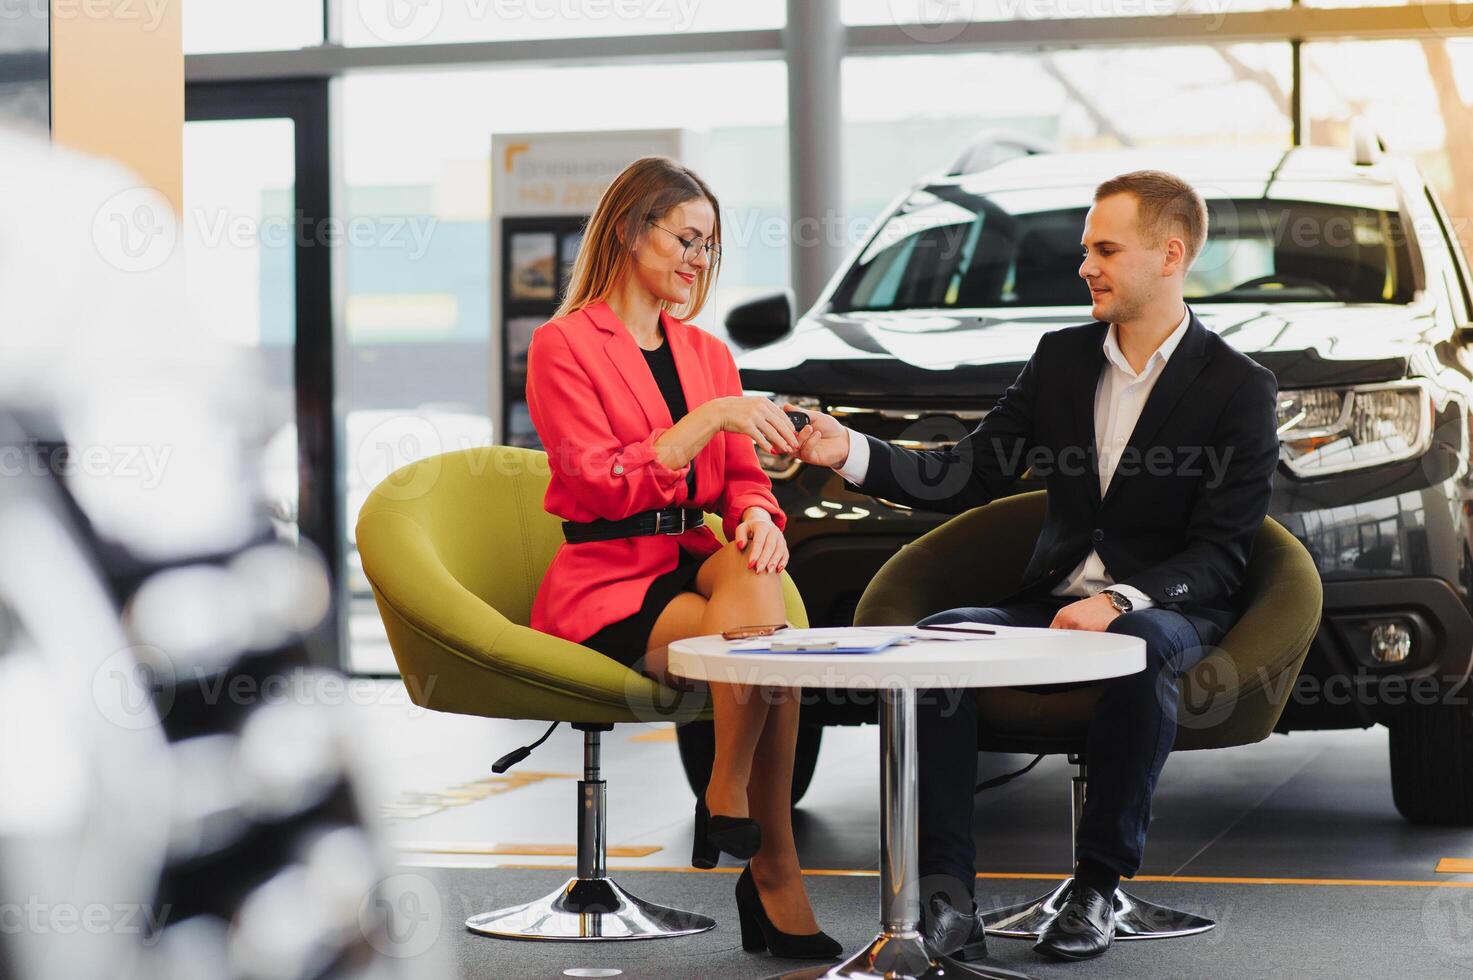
(1337, 270)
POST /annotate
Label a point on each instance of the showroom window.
(1096, 98)
(1418, 95)
(377, 22)
(936, 19)
(420, 144)
(249, 25)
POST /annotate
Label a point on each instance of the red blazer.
(598, 411)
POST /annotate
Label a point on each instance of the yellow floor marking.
(657, 735)
(1455, 866)
(527, 850)
(413, 804)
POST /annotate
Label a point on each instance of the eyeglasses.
(693, 246)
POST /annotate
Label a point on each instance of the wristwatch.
(1121, 604)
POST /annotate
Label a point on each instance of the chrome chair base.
(589, 909)
(901, 956)
(1134, 917)
(591, 905)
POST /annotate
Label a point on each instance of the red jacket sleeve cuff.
(752, 498)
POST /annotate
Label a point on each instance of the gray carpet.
(1268, 931)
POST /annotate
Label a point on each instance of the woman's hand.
(823, 441)
(763, 543)
(758, 417)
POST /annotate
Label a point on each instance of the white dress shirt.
(1120, 394)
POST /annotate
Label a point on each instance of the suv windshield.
(947, 248)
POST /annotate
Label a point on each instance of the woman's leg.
(756, 728)
(741, 597)
(740, 711)
(776, 869)
(737, 596)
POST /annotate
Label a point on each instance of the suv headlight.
(783, 467)
(1331, 430)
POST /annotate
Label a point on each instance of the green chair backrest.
(482, 511)
(1235, 696)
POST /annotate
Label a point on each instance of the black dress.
(627, 639)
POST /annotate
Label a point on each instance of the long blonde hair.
(643, 192)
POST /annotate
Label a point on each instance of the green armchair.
(454, 547)
(1233, 697)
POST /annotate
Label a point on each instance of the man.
(1157, 444)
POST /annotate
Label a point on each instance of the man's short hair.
(1168, 205)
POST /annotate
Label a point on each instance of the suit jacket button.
(1099, 535)
(618, 470)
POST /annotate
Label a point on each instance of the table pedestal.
(898, 952)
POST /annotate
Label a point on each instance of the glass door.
(258, 271)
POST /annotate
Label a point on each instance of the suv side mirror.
(762, 320)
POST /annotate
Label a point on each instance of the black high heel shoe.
(758, 932)
(741, 837)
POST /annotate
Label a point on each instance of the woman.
(641, 412)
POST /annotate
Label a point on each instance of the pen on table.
(958, 629)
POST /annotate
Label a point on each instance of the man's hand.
(823, 441)
(1095, 613)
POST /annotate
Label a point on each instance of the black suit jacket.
(1189, 492)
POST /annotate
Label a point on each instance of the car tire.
(697, 743)
(1432, 764)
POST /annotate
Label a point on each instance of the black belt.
(671, 520)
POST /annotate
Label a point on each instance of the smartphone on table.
(748, 632)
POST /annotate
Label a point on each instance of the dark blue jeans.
(1129, 739)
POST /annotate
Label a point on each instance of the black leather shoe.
(1083, 928)
(949, 931)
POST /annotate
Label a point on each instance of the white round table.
(1010, 657)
